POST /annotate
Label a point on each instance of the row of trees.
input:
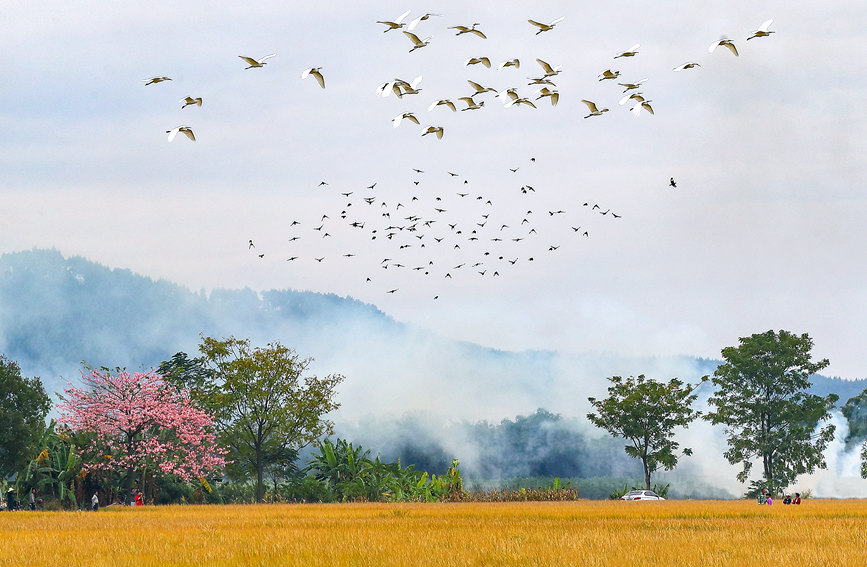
(761, 400)
(243, 412)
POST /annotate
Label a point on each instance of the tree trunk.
(646, 474)
(260, 483)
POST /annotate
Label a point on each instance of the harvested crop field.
(707, 533)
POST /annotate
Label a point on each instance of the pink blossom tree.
(137, 421)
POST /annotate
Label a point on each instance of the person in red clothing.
(138, 498)
(797, 498)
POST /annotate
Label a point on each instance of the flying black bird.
(672, 183)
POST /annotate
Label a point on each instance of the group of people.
(12, 503)
(765, 498)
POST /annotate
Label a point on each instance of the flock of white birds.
(411, 232)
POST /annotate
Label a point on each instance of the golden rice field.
(707, 533)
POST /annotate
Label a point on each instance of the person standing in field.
(33, 499)
(139, 501)
(94, 502)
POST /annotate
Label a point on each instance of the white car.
(641, 495)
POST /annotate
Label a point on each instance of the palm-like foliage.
(56, 467)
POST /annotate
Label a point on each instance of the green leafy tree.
(185, 373)
(762, 401)
(645, 412)
(262, 402)
(855, 412)
(23, 407)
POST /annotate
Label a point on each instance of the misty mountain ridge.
(56, 313)
(408, 393)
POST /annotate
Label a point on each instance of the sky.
(766, 149)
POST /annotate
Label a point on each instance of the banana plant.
(55, 468)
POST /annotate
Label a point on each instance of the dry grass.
(707, 533)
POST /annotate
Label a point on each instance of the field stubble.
(707, 533)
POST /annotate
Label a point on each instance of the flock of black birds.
(412, 232)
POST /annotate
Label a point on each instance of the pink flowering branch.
(138, 420)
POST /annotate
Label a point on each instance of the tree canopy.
(645, 412)
(23, 407)
(137, 421)
(263, 404)
(762, 401)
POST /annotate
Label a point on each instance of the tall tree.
(23, 407)
(139, 421)
(263, 403)
(762, 401)
(645, 412)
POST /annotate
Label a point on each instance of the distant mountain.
(56, 313)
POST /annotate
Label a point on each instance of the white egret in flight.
(185, 129)
(396, 24)
(472, 30)
(314, 72)
(726, 42)
(763, 30)
(255, 63)
(416, 42)
(546, 27)
(593, 110)
(631, 52)
(190, 100)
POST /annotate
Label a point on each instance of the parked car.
(641, 495)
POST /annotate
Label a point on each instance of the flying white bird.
(314, 72)
(608, 74)
(726, 42)
(416, 42)
(399, 87)
(519, 101)
(254, 63)
(190, 100)
(513, 63)
(552, 95)
(445, 102)
(399, 118)
(185, 129)
(153, 80)
(644, 104)
(763, 30)
(631, 52)
(593, 110)
(541, 81)
(479, 88)
(421, 18)
(631, 86)
(471, 104)
(408, 88)
(438, 130)
(546, 27)
(396, 24)
(475, 60)
(549, 71)
(472, 30)
(639, 97)
(508, 95)
(688, 65)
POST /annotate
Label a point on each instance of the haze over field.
(767, 150)
(407, 389)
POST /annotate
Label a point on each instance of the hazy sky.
(768, 151)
